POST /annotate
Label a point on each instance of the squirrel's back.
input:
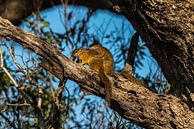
(108, 61)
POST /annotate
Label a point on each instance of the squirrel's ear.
(96, 42)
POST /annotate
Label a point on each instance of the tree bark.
(130, 98)
(167, 27)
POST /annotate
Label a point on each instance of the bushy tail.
(107, 86)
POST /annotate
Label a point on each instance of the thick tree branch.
(130, 97)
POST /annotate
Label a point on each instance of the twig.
(10, 77)
(4, 69)
(18, 105)
(59, 92)
(40, 98)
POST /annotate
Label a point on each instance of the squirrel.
(100, 60)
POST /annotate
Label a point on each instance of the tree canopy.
(30, 99)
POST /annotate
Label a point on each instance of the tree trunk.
(167, 27)
(130, 98)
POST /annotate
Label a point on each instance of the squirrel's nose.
(76, 59)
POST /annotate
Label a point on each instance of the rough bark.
(130, 97)
(167, 27)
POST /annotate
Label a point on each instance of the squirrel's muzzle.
(76, 59)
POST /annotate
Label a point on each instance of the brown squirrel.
(100, 60)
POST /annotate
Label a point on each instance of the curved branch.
(130, 98)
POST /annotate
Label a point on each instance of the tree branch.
(130, 98)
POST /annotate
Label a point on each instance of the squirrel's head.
(79, 54)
